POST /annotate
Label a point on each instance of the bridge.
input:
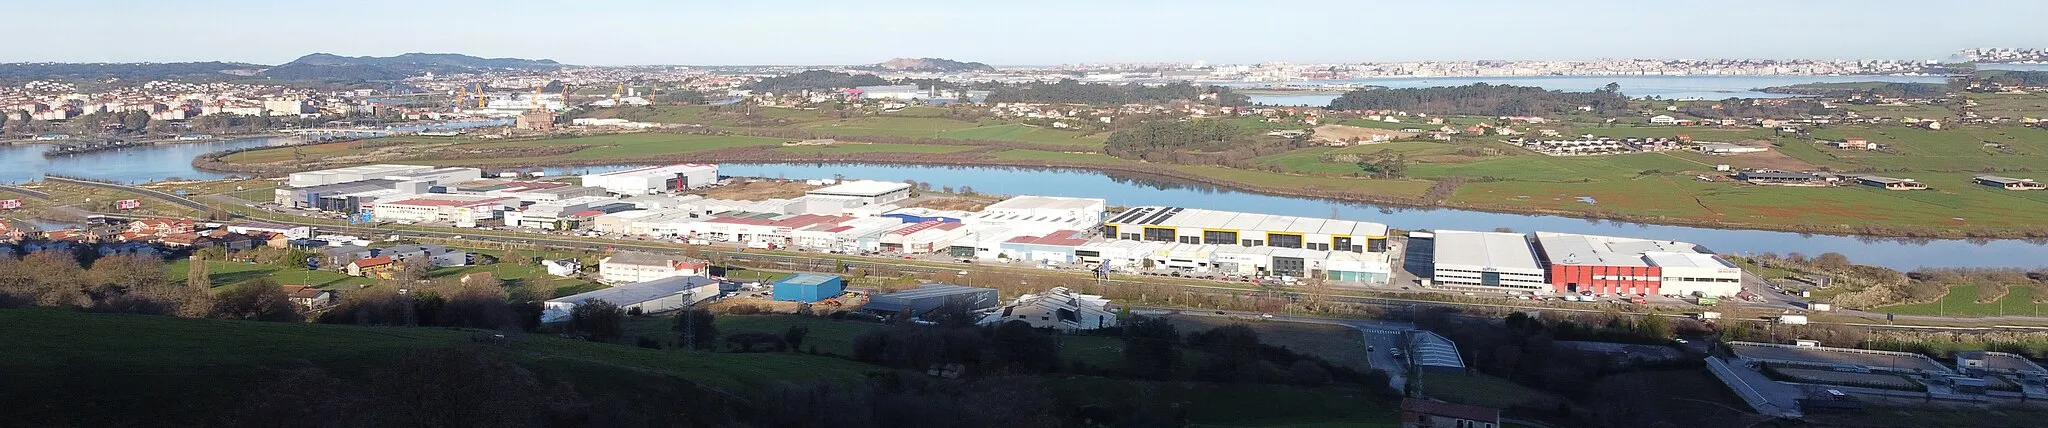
(342, 132)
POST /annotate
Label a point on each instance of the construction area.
(1846, 358)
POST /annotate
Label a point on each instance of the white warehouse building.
(654, 180)
(1199, 226)
(1486, 259)
(867, 192)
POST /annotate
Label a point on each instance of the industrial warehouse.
(1574, 264)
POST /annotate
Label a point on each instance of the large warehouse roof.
(1575, 249)
(1044, 202)
(629, 294)
(1208, 219)
(1484, 249)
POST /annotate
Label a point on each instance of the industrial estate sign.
(10, 204)
(128, 204)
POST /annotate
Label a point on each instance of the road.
(175, 199)
(24, 192)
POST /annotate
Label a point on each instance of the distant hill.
(325, 66)
(931, 64)
(13, 72)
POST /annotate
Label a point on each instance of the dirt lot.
(961, 204)
(758, 189)
(1363, 134)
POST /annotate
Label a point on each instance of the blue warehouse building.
(809, 287)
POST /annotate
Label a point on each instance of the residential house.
(635, 267)
(308, 297)
(1420, 413)
(563, 267)
(380, 267)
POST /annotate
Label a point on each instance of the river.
(21, 163)
(1667, 87)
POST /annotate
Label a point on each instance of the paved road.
(167, 197)
(24, 192)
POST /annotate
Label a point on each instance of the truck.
(1821, 307)
(1710, 315)
(1792, 319)
(1638, 300)
(1710, 301)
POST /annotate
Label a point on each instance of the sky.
(1011, 32)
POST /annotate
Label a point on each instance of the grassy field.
(1961, 300)
(225, 273)
(207, 365)
(1333, 343)
(875, 148)
(1478, 389)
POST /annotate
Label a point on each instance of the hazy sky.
(1010, 32)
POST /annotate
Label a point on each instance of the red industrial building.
(1589, 264)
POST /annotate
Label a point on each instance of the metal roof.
(1575, 249)
(863, 188)
(1484, 249)
(806, 279)
(1669, 259)
(629, 294)
(1211, 219)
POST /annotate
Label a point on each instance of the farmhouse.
(1889, 183)
(1854, 143)
(1778, 177)
(2010, 183)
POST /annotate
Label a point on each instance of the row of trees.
(1070, 91)
(1485, 100)
(135, 284)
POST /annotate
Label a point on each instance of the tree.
(697, 329)
(1832, 261)
(795, 335)
(597, 320)
(196, 276)
(1151, 348)
(1384, 164)
(411, 270)
(260, 299)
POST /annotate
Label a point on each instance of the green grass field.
(1961, 300)
(225, 273)
(1478, 389)
(875, 148)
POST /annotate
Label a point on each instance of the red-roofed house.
(380, 266)
(187, 239)
(160, 227)
(1417, 413)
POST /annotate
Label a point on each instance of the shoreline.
(1146, 171)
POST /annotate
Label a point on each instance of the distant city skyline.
(817, 32)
